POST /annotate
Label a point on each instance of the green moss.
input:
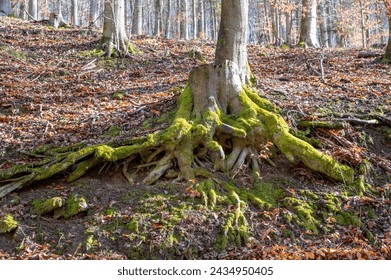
(301, 45)
(74, 205)
(333, 204)
(133, 226)
(92, 53)
(264, 195)
(113, 131)
(305, 211)
(118, 96)
(386, 61)
(311, 195)
(44, 206)
(8, 223)
(348, 218)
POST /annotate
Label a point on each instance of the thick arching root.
(220, 125)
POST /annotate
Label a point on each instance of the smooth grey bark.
(75, 12)
(201, 19)
(93, 15)
(308, 32)
(323, 25)
(363, 27)
(231, 43)
(114, 33)
(137, 27)
(158, 18)
(168, 30)
(22, 10)
(194, 20)
(33, 9)
(387, 54)
(184, 20)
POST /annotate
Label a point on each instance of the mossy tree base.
(220, 125)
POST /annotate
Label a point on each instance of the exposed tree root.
(220, 125)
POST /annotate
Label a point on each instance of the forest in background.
(337, 23)
(60, 94)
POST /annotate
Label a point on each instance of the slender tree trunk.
(183, 15)
(323, 25)
(168, 33)
(387, 54)
(194, 19)
(75, 12)
(308, 32)
(158, 18)
(137, 27)
(363, 25)
(201, 19)
(288, 24)
(33, 9)
(22, 10)
(93, 13)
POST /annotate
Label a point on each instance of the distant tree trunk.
(308, 32)
(387, 54)
(114, 39)
(5, 7)
(137, 27)
(288, 24)
(184, 31)
(194, 13)
(93, 13)
(158, 18)
(22, 10)
(75, 13)
(33, 9)
(323, 25)
(168, 21)
(363, 28)
(201, 19)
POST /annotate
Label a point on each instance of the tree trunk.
(158, 18)
(5, 7)
(201, 19)
(33, 9)
(387, 54)
(308, 32)
(93, 13)
(114, 33)
(323, 25)
(75, 12)
(137, 27)
(219, 120)
(231, 43)
(183, 15)
(168, 32)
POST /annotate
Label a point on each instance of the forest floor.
(55, 89)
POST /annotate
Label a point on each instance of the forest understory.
(56, 90)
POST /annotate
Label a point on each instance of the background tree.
(75, 12)
(387, 54)
(114, 34)
(308, 32)
(33, 9)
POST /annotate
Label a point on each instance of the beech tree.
(308, 32)
(220, 124)
(387, 55)
(114, 37)
(33, 9)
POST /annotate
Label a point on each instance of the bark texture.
(308, 31)
(114, 39)
(5, 7)
(387, 54)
